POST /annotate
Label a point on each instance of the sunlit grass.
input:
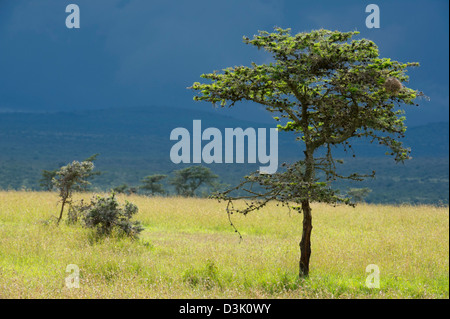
(189, 250)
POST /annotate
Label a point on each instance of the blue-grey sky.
(143, 52)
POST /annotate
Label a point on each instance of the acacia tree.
(70, 177)
(121, 189)
(358, 194)
(328, 89)
(189, 179)
(46, 181)
(152, 184)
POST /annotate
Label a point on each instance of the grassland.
(189, 250)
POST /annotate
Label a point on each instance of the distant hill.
(134, 142)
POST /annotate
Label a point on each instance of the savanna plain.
(188, 249)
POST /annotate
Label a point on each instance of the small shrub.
(105, 215)
(76, 213)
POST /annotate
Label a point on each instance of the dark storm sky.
(141, 53)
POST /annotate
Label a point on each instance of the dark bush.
(104, 214)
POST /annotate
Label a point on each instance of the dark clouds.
(140, 52)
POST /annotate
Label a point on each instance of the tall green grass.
(189, 250)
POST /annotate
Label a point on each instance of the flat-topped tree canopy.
(329, 88)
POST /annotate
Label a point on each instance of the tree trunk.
(305, 243)
(61, 213)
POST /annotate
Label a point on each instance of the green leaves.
(289, 127)
(70, 177)
(329, 86)
(152, 183)
(189, 179)
(104, 214)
